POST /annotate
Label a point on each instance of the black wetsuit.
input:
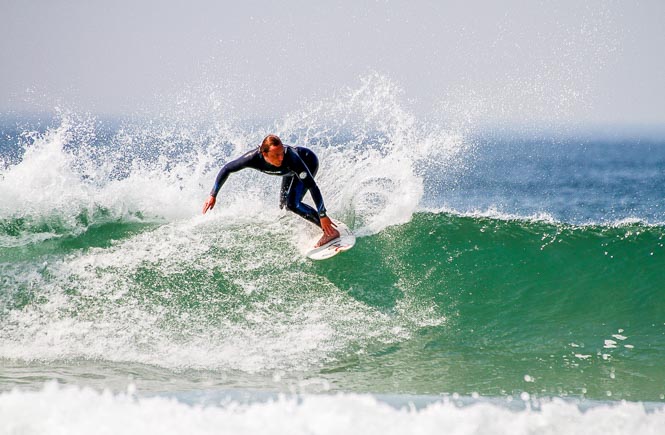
(298, 170)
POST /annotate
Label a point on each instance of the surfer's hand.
(328, 227)
(209, 204)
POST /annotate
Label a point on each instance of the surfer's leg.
(284, 191)
(312, 162)
(294, 196)
(294, 190)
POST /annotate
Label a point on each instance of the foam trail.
(198, 295)
(73, 411)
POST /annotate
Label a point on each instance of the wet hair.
(270, 141)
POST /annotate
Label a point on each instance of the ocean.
(503, 281)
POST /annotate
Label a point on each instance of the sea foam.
(75, 410)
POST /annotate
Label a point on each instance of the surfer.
(297, 166)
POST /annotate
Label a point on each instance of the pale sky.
(510, 61)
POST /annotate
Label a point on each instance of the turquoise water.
(444, 303)
(490, 276)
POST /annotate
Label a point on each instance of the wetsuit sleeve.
(302, 172)
(233, 166)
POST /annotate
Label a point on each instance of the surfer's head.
(272, 150)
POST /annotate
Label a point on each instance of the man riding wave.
(297, 166)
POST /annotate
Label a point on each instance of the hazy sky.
(594, 61)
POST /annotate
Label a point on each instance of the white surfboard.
(344, 242)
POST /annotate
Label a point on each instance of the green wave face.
(21, 240)
(444, 303)
(534, 306)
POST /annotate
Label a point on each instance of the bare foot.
(325, 239)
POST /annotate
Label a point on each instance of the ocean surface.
(502, 282)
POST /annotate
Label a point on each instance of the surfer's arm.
(233, 166)
(327, 225)
(318, 198)
(209, 204)
(242, 162)
(227, 169)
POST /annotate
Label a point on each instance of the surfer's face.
(275, 155)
